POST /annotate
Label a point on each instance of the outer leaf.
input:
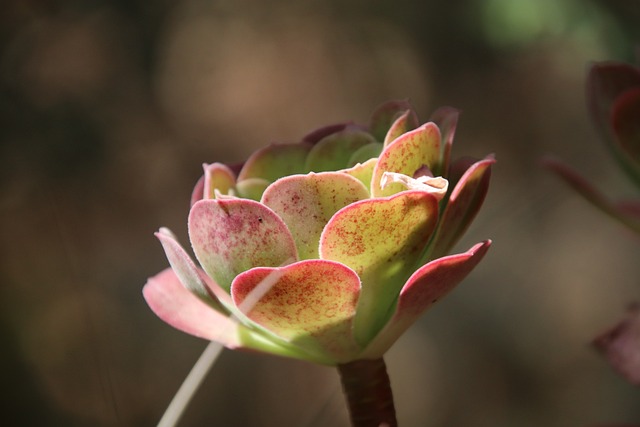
(311, 304)
(307, 202)
(463, 205)
(275, 161)
(230, 236)
(406, 155)
(177, 306)
(190, 275)
(381, 240)
(424, 288)
(334, 151)
(385, 115)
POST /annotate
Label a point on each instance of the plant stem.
(368, 391)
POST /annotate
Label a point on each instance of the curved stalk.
(368, 391)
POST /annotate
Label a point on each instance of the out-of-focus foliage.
(108, 109)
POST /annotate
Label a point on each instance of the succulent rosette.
(326, 250)
(613, 96)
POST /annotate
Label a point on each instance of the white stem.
(190, 385)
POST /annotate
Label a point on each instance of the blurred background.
(109, 108)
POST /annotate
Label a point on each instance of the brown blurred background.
(109, 108)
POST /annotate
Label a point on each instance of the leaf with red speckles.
(333, 152)
(621, 346)
(385, 115)
(180, 308)
(307, 202)
(404, 123)
(230, 236)
(427, 285)
(363, 172)
(217, 176)
(447, 119)
(275, 161)
(310, 303)
(191, 277)
(463, 205)
(381, 240)
(406, 155)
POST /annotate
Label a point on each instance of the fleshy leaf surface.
(363, 172)
(447, 120)
(252, 188)
(180, 308)
(230, 236)
(404, 123)
(381, 240)
(407, 154)
(275, 161)
(384, 116)
(424, 288)
(307, 202)
(365, 153)
(217, 176)
(334, 151)
(190, 276)
(464, 203)
(311, 304)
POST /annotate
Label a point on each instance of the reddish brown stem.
(368, 391)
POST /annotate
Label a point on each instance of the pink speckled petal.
(447, 120)
(220, 177)
(381, 240)
(385, 115)
(191, 277)
(307, 202)
(464, 203)
(406, 122)
(406, 155)
(275, 161)
(423, 289)
(334, 151)
(230, 236)
(310, 303)
(180, 308)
